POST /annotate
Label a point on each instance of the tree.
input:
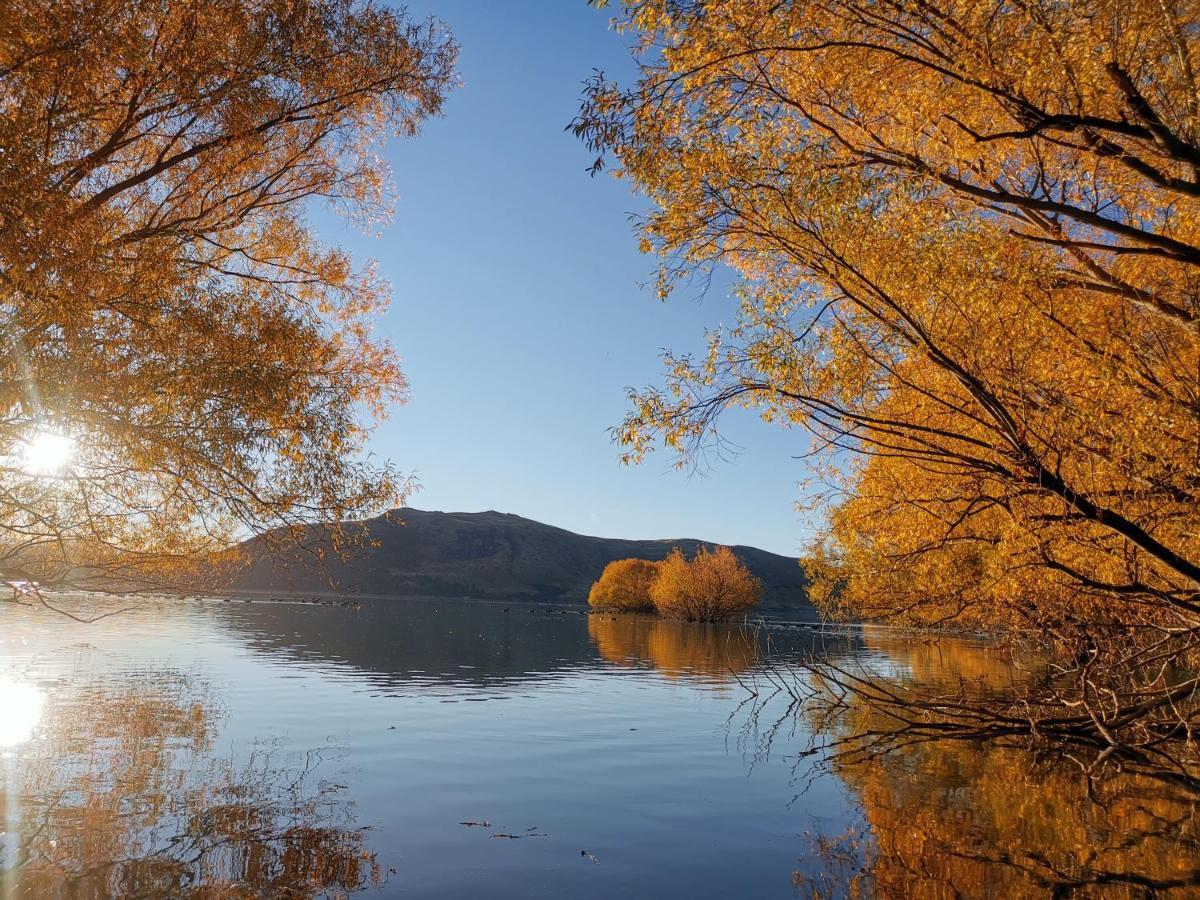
(714, 585)
(624, 585)
(969, 242)
(165, 305)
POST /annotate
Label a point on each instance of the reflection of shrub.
(712, 586)
(624, 585)
(675, 648)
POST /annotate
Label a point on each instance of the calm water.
(434, 749)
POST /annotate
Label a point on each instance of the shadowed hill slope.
(492, 555)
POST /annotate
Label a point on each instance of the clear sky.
(520, 310)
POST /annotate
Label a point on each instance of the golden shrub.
(712, 586)
(624, 585)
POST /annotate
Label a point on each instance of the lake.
(456, 749)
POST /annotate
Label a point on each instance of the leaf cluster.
(163, 298)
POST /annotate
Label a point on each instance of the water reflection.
(977, 667)
(676, 649)
(167, 755)
(20, 710)
(954, 818)
(415, 645)
(120, 794)
(422, 646)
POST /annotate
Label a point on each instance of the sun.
(47, 452)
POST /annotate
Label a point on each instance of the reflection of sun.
(46, 452)
(20, 710)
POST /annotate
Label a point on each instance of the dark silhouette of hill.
(488, 555)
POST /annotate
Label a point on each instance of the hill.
(489, 555)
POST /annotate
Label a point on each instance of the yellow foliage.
(624, 585)
(164, 301)
(969, 242)
(711, 587)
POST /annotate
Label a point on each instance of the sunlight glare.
(47, 452)
(20, 711)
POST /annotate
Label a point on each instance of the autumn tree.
(624, 585)
(968, 236)
(185, 360)
(712, 586)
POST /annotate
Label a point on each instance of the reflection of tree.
(954, 819)
(675, 648)
(958, 817)
(122, 797)
(925, 690)
(972, 667)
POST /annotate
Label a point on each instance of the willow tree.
(969, 248)
(186, 361)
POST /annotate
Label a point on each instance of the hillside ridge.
(488, 555)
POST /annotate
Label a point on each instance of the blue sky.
(519, 309)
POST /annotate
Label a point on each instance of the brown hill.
(491, 555)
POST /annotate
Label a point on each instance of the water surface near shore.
(458, 749)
